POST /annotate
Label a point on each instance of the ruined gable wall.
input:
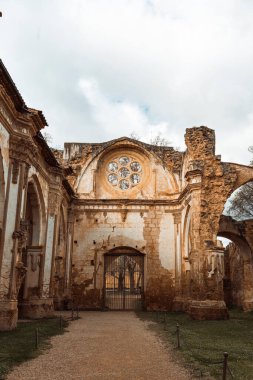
(130, 218)
(83, 160)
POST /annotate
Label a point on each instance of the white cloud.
(118, 118)
(156, 64)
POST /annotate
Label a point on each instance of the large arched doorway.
(32, 251)
(123, 279)
(238, 264)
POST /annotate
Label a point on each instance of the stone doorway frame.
(131, 294)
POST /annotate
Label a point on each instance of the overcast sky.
(101, 69)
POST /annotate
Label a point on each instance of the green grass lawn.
(19, 345)
(203, 342)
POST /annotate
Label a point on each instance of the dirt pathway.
(104, 346)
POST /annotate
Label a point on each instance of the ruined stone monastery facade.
(115, 225)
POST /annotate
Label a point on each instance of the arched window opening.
(33, 251)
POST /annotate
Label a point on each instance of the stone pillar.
(209, 302)
(178, 254)
(68, 267)
(12, 268)
(28, 308)
(48, 264)
(216, 181)
(179, 301)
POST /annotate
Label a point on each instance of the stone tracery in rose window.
(124, 172)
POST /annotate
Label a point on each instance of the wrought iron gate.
(123, 281)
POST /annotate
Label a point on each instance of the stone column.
(178, 254)
(211, 304)
(68, 268)
(12, 268)
(178, 303)
(50, 247)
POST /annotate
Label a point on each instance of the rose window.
(124, 172)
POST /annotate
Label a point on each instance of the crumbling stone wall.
(135, 226)
(217, 181)
(198, 181)
(172, 217)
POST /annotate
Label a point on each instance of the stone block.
(37, 308)
(8, 315)
(208, 310)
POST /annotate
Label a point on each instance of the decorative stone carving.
(35, 261)
(123, 215)
(53, 203)
(23, 148)
(21, 235)
(27, 167)
(15, 171)
(20, 272)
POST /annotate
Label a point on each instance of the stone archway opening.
(238, 271)
(235, 225)
(31, 253)
(123, 279)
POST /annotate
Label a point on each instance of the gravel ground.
(103, 346)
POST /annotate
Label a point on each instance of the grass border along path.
(19, 345)
(203, 342)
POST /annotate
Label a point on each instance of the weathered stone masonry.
(32, 192)
(63, 212)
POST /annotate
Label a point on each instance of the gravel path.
(104, 346)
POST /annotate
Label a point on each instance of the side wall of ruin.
(32, 197)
